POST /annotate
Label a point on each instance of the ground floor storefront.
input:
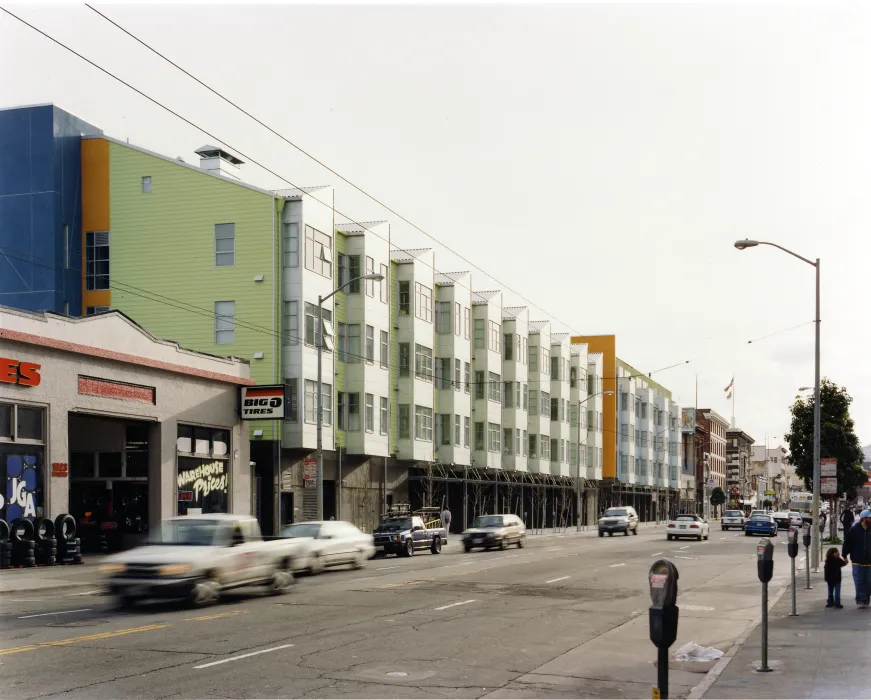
(102, 421)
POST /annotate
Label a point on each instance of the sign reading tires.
(263, 402)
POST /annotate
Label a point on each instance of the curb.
(711, 676)
(48, 590)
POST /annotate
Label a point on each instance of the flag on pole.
(728, 389)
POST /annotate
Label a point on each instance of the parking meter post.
(806, 540)
(792, 550)
(765, 571)
(662, 579)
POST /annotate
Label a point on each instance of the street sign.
(263, 402)
(310, 472)
(829, 485)
(829, 467)
(770, 492)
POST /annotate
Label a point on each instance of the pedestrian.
(847, 519)
(857, 547)
(832, 574)
(446, 521)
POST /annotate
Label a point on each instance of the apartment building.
(713, 452)
(515, 392)
(738, 452)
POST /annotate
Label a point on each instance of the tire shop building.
(101, 420)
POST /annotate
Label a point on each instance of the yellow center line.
(86, 638)
(216, 616)
(405, 583)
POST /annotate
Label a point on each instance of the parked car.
(782, 519)
(197, 557)
(688, 526)
(623, 519)
(795, 519)
(404, 533)
(329, 543)
(489, 531)
(732, 518)
(760, 524)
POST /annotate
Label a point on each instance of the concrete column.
(162, 471)
(57, 450)
(241, 482)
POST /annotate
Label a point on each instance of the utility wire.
(269, 170)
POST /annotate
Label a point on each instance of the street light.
(815, 534)
(319, 341)
(578, 473)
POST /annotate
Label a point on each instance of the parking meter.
(792, 542)
(765, 570)
(662, 579)
(806, 540)
(806, 534)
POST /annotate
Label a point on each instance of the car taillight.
(694, 526)
(671, 524)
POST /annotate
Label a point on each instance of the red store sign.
(17, 372)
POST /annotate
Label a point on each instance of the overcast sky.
(599, 160)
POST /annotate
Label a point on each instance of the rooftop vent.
(217, 161)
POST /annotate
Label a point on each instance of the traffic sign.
(829, 467)
(829, 485)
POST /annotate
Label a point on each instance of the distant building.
(738, 452)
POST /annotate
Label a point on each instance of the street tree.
(837, 438)
(718, 497)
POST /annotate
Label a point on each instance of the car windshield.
(686, 517)
(733, 513)
(191, 532)
(485, 521)
(615, 512)
(395, 524)
(761, 518)
(793, 514)
(301, 530)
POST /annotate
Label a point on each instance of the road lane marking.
(561, 578)
(694, 558)
(405, 583)
(365, 578)
(686, 546)
(243, 656)
(656, 554)
(616, 565)
(86, 592)
(386, 568)
(86, 638)
(453, 605)
(215, 616)
(61, 612)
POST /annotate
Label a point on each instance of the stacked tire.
(69, 548)
(23, 546)
(5, 546)
(46, 546)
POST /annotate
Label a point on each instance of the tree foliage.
(837, 438)
(718, 497)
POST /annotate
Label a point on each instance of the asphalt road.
(565, 616)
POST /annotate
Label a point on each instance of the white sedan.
(732, 518)
(329, 543)
(688, 526)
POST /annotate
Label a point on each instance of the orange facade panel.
(607, 346)
(95, 208)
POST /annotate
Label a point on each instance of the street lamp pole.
(815, 531)
(578, 467)
(319, 344)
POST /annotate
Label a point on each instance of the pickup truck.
(404, 534)
(197, 557)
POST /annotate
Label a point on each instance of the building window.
(573, 454)
(342, 277)
(292, 399)
(311, 321)
(291, 323)
(290, 234)
(370, 413)
(479, 436)
(573, 377)
(404, 359)
(533, 400)
(385, 350)
(354, 412)
(533, 446)
(146, 184)
(508, 345)
(467, 423)
(457, 318)
(508, 393)
(309, 402)
(555, 369)
(456, 430)
(507, 441)
(495, 387)
(495, 337)
(545, 404)
(457, 378)
(544, 360)
(311, 408)
(525, 443)
(423, 302)
(370, 270)
(423, 423)
(554, 449)
(318, 252)
(404, 421)
(423, 362)
(383, 285)
(525, 352)
(479, 384)
(354, 273)
(533, 358)
(445, 429)
(467, 321)
(225, 322)
(467, 373)
(97, 260)
(480, 340)
(385, 415)
(342, 342)
(370, 345)
(526, 397)
(22, 460)
(225, 245)
(443, 317)
(404, 299)
(545, 448)
(354, 350)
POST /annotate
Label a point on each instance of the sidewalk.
(45, 579)
(822, 653)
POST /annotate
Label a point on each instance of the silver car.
(329, 543)
(621, 519)
(499, 531)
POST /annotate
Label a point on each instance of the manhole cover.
(78, 623)
(396, 674)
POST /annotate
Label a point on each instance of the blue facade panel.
(40, 200)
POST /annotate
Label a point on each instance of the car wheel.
(635, 531)
(610, 534)
(281, 582)
(522, 541)
(746, 534)
(706, 537)
(359, 561)
(467, 548)
(626, 532)
(317, 564)
(409, 548)
(601, 534)
(205, 592)
(699, 538)
(668, 537)
(125, 602)
(724, 528)
(503, 545)
(436, 547)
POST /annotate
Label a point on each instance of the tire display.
(21, 530)
(65, 527)
(44, 531)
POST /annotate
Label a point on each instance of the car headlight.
(175, 569)
(110, 569)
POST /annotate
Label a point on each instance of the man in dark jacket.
(857, 547)
(847, 519)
